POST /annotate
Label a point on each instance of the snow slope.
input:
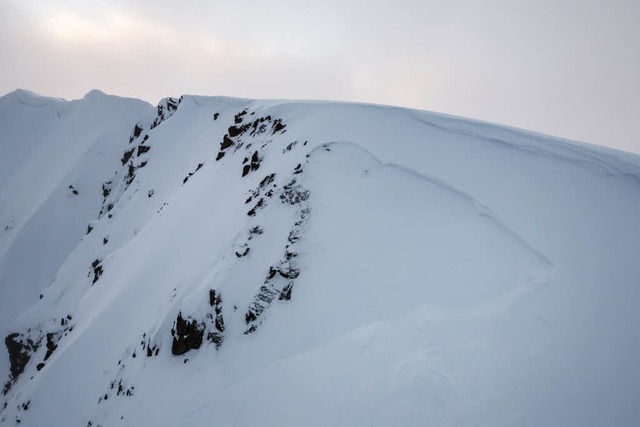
(235, 262)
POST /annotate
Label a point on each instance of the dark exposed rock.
(255, 231)
(216, 331)
(219, 323)
(285, 270)
(289, 273)
(285, 294)
(142, 149)
(151, 349)
(226, 143)
(216, 302)
(166, 108)
(40, 366)
(263, 184)
(215, 338)
(213, 298)
(255, 161)
(280, 278)
(127, 156)
(258, 126)
(250, 316)
(237, 130)
(258, 206)
(278, 126)
(215, 116)
(52, 344)
(261, 302)
(290, 146)
(187, 335)
(106, 190)
(97, 270)
(137, 130)
(19, 348)
(293, 193)
(186, 178)
(172, 104)
(238, 118)
(267, 180)
(243, 252)
(253, 165)
(130, 174)
(296, 231)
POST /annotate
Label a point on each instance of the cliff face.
(219, 261)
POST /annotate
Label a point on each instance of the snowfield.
(232, 262)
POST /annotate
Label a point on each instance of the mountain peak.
(27, 97)
(248, 262)
(93, 93)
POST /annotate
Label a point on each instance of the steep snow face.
(55, 155)
(238, 262)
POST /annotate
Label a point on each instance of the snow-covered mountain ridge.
(221, 261)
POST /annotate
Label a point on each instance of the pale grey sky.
(569, 68)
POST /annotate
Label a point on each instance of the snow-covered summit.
(238, 262)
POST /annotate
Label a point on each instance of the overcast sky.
(569, 68)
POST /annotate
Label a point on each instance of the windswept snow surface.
(234, 262)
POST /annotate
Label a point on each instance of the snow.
(51, 145)
(442, 271)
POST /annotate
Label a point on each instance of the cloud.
(131, 56)
(567, 68)
(72, 28)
